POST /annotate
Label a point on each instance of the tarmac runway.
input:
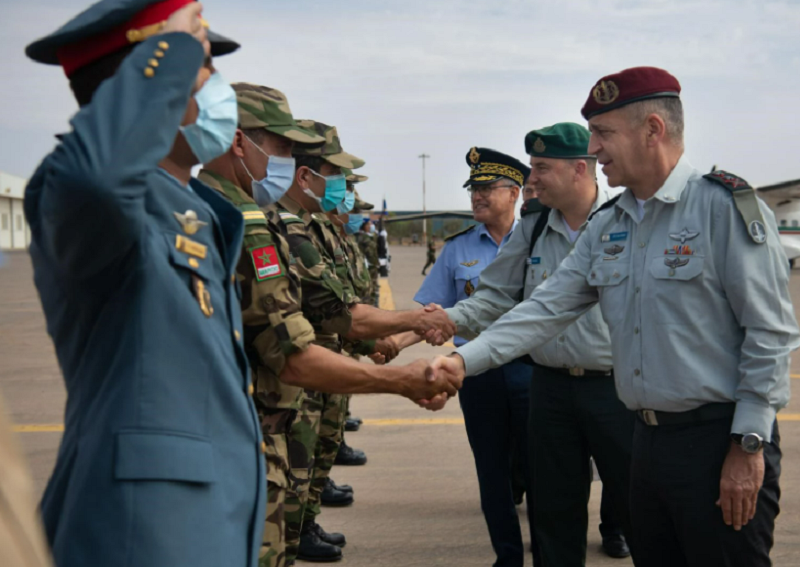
(416, 500)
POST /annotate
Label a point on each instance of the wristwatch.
(750, 443)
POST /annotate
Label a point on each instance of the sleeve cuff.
(463, 331)
(754, 418)
(476, 358)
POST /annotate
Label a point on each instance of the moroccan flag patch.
(266, 262)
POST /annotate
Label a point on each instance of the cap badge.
(474, 156)
(605, 92)
(538, 146)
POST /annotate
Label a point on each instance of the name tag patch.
(535, 261)
(614, 237)
(266, 262)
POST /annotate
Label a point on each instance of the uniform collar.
(219, 183)
(293, 207)
(670, 192)
(483, 231)
(556, 220)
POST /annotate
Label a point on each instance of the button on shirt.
(585, 343)
(698, 313)
(459, 268)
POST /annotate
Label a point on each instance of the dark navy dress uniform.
(161, 461)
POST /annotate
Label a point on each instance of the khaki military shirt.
(274, 325)
(584, 344)
(698, 312)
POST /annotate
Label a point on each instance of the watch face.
(751, 443)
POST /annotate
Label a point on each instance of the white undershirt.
(571, 234)
(641, 203)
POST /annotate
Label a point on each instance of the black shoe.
(342, 487)
(615, 546)
(332, 497)
(358, 420)
(349, 457)
(312, 548)
(335, 538)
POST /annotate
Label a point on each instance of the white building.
(14, 231)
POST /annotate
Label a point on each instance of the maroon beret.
(631, 85)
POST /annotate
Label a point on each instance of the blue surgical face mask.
(212, 133)
(353, 224)
(347, 205)
(279, 177)
(335, 189)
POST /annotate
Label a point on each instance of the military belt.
(575, 371)
(708, 412)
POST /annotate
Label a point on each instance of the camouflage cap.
(361, 205)
(267, 108)
(331, 151)
(353, 177)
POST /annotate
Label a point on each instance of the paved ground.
(416, 499)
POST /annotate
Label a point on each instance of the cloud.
(439, 76)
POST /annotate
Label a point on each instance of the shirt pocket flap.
(195, 264)
(681, 268)
(467, 272)
(607, 274)
(163, 456)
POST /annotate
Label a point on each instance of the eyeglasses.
(485, 190)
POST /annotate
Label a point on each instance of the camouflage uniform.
(326, 298)
(325, 302)
(274, 326)
(369, 246)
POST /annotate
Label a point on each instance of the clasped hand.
(449, 368)
(434, 325)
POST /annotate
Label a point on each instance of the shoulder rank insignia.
(189, 221)
(744, 197)
(459, 233)
(288, 217)
(470, 264)
(254, 216)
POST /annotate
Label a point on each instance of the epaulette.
(744, 197)
(459, 233)
(252, 214)
(532, 206)
(607, 205)
(289, 218)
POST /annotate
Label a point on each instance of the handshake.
(433, 325)
(431, 383)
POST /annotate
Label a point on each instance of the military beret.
(565, 140)
(109, 26)
(487, 166)
(330, 150)
(631, 85)
(267, 108)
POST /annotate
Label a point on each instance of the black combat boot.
(352, 424)
(312, 548)
(332, 497)
(334, 538)
(349, 457)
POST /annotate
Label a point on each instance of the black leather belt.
(578, 371)
(708, 412)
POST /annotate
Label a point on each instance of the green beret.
(565, 140)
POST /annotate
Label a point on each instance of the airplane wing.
(440, 214)
(785, 190)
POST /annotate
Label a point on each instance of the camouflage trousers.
(376, 286)
(302, 446)
(331, 431)
(273, 546)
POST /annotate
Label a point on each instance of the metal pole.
(423, 157)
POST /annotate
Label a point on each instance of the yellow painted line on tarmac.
(39, 428)
(431, 421)
(795, 376)
(386, 299)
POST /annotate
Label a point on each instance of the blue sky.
(439, 76)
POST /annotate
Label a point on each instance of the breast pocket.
(466, 279)
(536, 274)
(678, 288)
(611, 281)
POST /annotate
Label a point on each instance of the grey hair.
(670, 109)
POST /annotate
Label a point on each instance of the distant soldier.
(431, 255)
(367, 240)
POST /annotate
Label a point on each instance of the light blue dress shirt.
(459, 267)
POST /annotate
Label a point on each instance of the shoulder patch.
(289, 218)
(532, 206)
(459, 233)
(744, 197)
(266, 262)
(607, 205)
